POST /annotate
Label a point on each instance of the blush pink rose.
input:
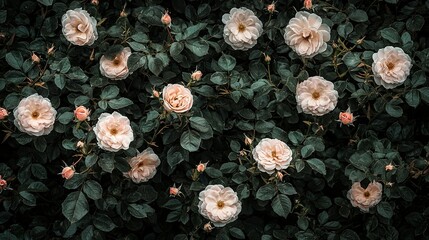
(177, 98)
(79, 27)
(116, 68)
(81, 113)
(365, 198)
(143, 166)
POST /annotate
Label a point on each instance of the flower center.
(306, 34)
(35, 114)
(116, 61)
(220, 204)
(390, 65)
(241, 27)
(274, 154)
(113, 131)
(315, 95)
(366, 194)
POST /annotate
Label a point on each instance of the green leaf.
(40, 144)
(14, 76)
(317, 165)
(66, 117)
(14, 59)
(349, 234)
(172, 204)
(213, 172)
(345, 29)
(39, 171)
(415, 22)
(191, 32)
(37, 187)
(286, 188)
(351, 59)
(75, 182)
(418, 78)
(413, 98)
(237, 233)
(219, 78)
(28, 198)
(103, 222)
(228, 167)
(155, 65)
(109, 92)
(176, 48)
(75, 206)
(198, 47)
(46, 2)
(3, 16)
(120, 103)
(424, 93)
(190, 140)
(393, 108)
(358, 16)
(281, 205)
(107, 162)
(227, 62)
(361, 161)
(200, 124)
(390, 34)
(93, 189)
(266, 192)
(60, 81)
(307, 150)
(140, 210)
(385, 210)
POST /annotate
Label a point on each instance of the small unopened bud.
(389, 184)
(360, 41)
(208, 227)
(247, 140)
(51, 50)
(196, 76)
(389, 167)
(308, 4)
(35, 58)
(280, 176)
(80, 144)
(201, 167)
(94, 2)
(81, 113)
(3, 184)
(68, 172)
(271, 8)
(346, 117)
(166, 19)
(123, 13)
(175, 191)
(267, 58)
(3, 113)
(155, 93)
(243, 153)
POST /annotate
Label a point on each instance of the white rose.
(391, 66)
(35, 115)
(113, 132)
(219, 204)
(116, 68)
(271, 155)
(143, 166)
(365, 198)
(242, 28)
(307, 35)
(79, 27)
(177, 98)
(316, 96)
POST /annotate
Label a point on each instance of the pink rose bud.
(196, 76)
(271, 8)
(94, 2)
(308, 4)
(166, 19)
(201, 167)
(68, 172)
(267, 58)
(346, 117)
(280, 176)
(155, 93)
(80, 144)
(51, 50)
(3, 113)
(81, 113)
(247, 140)
(174, 191)
(3, 184)
(35, 58)
(389, 167)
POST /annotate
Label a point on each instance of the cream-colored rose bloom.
(242, 28)
(116, 68)
(271, 155)
(364, 198)
(391, 67)
(143, 166)
(177, 98)
(316, 96)
(35, 115)
(79, 27)
(307, 35)
(219, 204)
(113, 132)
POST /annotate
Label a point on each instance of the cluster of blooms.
(305, 34)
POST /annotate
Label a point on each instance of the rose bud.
(196, 76)
(68, 172)
(81, 113)
(3, 113)
(166, 19)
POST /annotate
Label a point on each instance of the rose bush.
(185, 119)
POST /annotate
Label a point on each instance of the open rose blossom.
(364, 198)
(316, 96)
(35, 115)
(79, 27)
(219, 204)
(143, 166)
(177, 98)
(117, 67)
(391, 67)
(271, 155)
(307, 35)
(242, 28)
(113, 132)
